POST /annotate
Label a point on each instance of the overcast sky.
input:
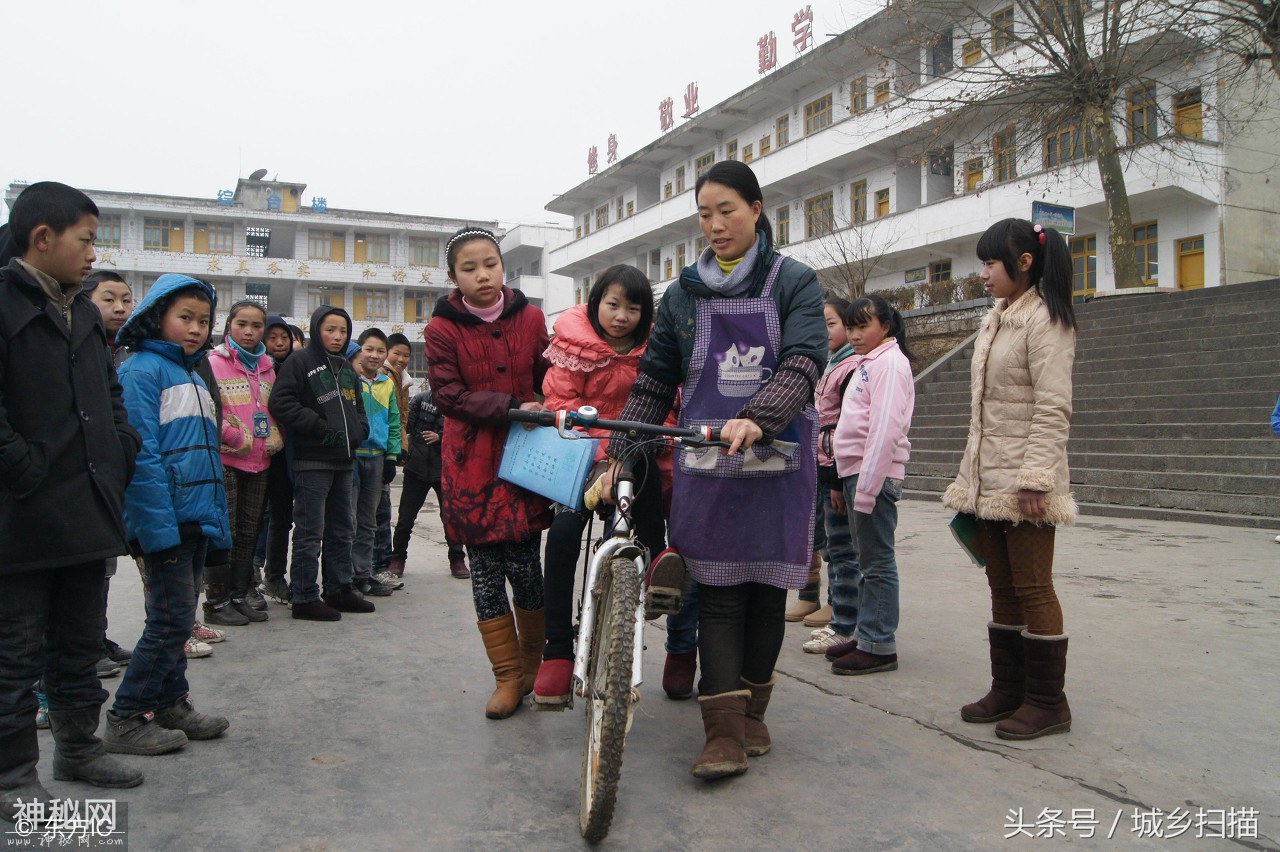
(464, 109)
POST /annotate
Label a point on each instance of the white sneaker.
(194, 649)
(202, 632)
(826, 638)
(820, 632)
(389, 579)
(1278, 539)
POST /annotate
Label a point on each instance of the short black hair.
(635, 289)
(738, 177)
(47, 203)
(372, 332)
(298, 334)
(93, 279)
(398, 339)
(146, 325)
(461, 237)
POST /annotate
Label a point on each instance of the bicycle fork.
(612, 548)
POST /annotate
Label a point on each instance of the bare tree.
(1248, 30)
(850, 252)
(1059, 71)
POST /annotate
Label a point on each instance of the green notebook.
(965, 529)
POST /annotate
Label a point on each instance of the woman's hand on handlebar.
(740, 434)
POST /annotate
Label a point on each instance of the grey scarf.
(728, 285)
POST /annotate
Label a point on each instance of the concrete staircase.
(1173, 401)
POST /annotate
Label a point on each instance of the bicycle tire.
(608, 697)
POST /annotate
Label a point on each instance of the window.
(699, 246)
(618, 209)
(418, 305)
(747, 153)
(1147, 248)
(819, 216)
(731, 149)
(666, 192)
(535, 266)
(1084, 267)
(940, 271)
(765, 145)
(941, 56)
(162, 235)
(577, 233)
(213, 238)
(782, 131)
(369, 305)
(817, 115)
(260, 293)
(703, 163)
(1142, 113)
(666, 269)
(326, 245)
(1002, 30)
(324, 296)
(1065, 143)
(424, 252)
(108, 232)
(631, 209)
(581, 291)
(973, 174)
(679, 179)
(942, 161)
(1191, 263)
(971, 53)
(586, 224)
(1188, 119)
(602, 216)
(858, 201)
(1006, 153)
(681, 260)
(858, 95)
(882, 203)
(655, 261)
(882, 92)
(373, 248)
(782, 221)
(256, 241)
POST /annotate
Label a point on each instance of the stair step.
(1208, 416)
(945, 403)
(922, 432)
(1190, 322)
(1176, 358)
(1140, 375)
(1221, 483)
(1128, 351)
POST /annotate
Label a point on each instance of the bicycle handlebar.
(586, 416)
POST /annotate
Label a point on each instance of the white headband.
(462, 235)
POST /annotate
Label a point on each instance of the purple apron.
(747, 517)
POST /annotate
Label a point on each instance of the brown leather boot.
(503, 648)
(1044, 707)
(755, 734)
(1007, 676)
(810, 594)
(723, 719)
(531, 625)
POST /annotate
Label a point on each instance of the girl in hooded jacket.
(1014, 474)
(175, 512)
(485, 346)
(594, 358)
(245, 374)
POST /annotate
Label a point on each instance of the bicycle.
(607, 661)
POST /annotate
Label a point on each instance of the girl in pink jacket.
(871, 450)
(245, 374)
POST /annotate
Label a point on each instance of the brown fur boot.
(1044, 707)
(723, 719)
(503, 648)
(755, 734)
(1007, 676)
(531, 626)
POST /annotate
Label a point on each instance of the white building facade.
(525, 250)
(262, 241)
(850, 171)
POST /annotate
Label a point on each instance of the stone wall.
(933, 332)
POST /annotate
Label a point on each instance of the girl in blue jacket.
(175, 512)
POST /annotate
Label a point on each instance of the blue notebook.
(540, 460)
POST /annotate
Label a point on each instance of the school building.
(268, 240)
(854, 173)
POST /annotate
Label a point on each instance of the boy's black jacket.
(67, 450)
(316, 398)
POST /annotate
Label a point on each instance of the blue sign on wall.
(1062, 219)
(226, 198)
(273, 202)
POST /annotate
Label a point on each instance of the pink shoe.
(553, 690)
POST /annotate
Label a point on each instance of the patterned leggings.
(492, 565)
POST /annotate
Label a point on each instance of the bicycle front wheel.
(608, 695)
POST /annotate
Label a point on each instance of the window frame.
(1002, 34)
(858, 201)
(109, 224)
(858, 101)
(702, 163)
(1141, 101)
(883, 92)
(819, 210)
(884, 203)
(166, 227)
(1147, 250)
(817, 114)
(970, 173)
(1182, 117)
(782, 131)
(1004, 147)
(424, 247)
(971, 52)
(1084, 266)
(782, 224)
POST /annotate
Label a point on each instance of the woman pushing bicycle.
(743, 334)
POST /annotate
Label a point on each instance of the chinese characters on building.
(611, 150)
(690, 101)
(593, 163)
(768, 53)
(802, 29)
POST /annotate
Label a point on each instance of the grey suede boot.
(182, 716)
(139, 734)
(80, 756)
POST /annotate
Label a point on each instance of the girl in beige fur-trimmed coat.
(1014, 475)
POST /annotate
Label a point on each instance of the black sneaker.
(115, 653)
(242, 606)
(374, 587)
(139, 734)
(107, 667)
(348, 599)
(276, 589)
(182, 716)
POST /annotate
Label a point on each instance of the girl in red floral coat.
(485, 346)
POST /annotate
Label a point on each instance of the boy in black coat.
(66, 454)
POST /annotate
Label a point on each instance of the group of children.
(316, 432)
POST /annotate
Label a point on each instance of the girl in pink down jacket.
(871, 450)
(245, 375)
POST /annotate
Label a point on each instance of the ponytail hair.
(1050, 273)
(738, 177)
(873, 306)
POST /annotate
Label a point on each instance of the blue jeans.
(874, 549)
(682, 628)
(382, 538)
(844, 575)
(157, 674)
(366, 492)
(321, 519)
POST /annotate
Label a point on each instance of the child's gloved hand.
(388, 471)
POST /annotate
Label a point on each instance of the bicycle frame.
(619, 543)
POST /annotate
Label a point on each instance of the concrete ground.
(370, 733)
